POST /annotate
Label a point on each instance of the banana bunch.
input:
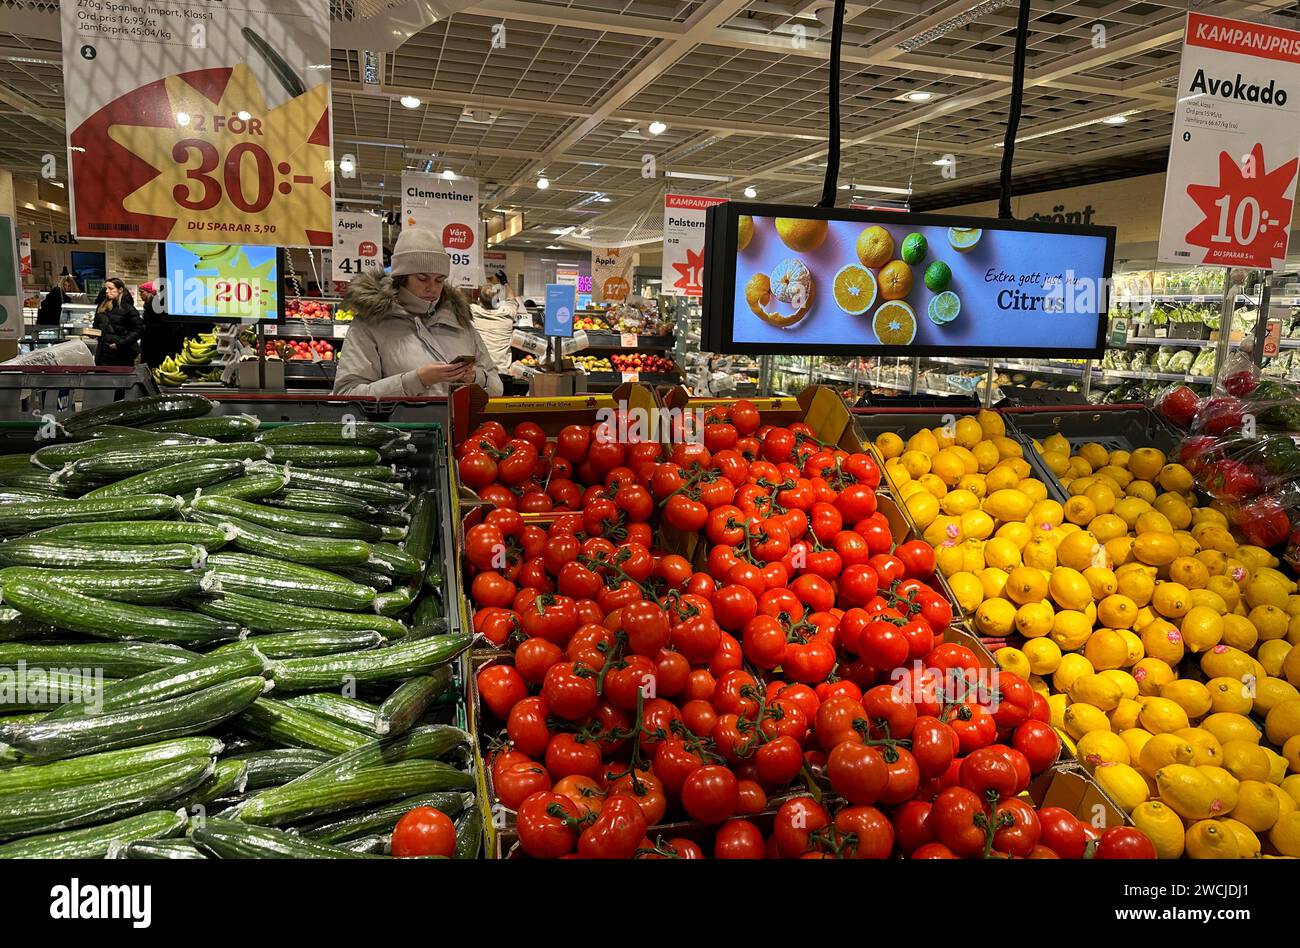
(169, 374)
(199, 350)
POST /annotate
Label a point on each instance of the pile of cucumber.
(218, 641)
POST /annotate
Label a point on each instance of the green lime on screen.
(914, 247)
(944, 308)
(937, 277)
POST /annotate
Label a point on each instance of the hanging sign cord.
(833, 109)
(1013, 115)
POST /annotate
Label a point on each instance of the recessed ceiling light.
(543, 183)
(602, 200)
(751, 192)
(657, 128)
(1115, 120)
(845, 187)
(919, 96)
(940, 162)
(347, 166)
(448, 174)
(552, 246)
(182, 118)
(410, 101)
(243, 115)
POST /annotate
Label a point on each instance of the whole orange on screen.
(895, 280)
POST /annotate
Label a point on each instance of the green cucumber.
(23, 497)
(381, 845)
(65, 609)
(423, 529)
(323, 455)
(408, 703)
(43, 689)
(136, 460)
(152, 587)
(369, 472)
(135, 532)
(364, 433)
(390, 516)
(23, 518)
(427, 610)
(278, 723)
(55, 456)
(290, 521)
(129, 727)
(310, 551)
(382, 819)
(358, 715)
(252, 485)
(111, 432)
(229, 776)
(262, 615)
(15, 627)
(116, 659)
(404, 660)
(165, 683)
(229, 839)
(391, 559)
(372, 492)
(426, 742)
(158, 849)
(319, 501)
(213, 426)
(469, 833)
(393, 534)
(324, 590)
(303, 644)
(140, 411)
(398, 449)
(95, 767)
(309, 797)
(96, 842)
(393, 603)
(178, 478)
(274, 767)
(75, 554)
(380, 582)
(44, 811)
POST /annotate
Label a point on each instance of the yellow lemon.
(1151, 675)
(1161, 716)
(1047, 512)
(1272, 654)
(1081, 718)
(1202, 628)
(1293, 630)
(1101, 582)
(1205, 746)
(1231, 727)
(1146, 463)
(1291, 753)
(1217, 539)
(923, 441)
(1106, 649)
(1072, 667)
(1026, 584)
(994, 617)
(1269, 621)
(1224, 587)
(1161, 750)
(1136, 651)
(1155, 549)
(1138, 584)
(1080, 510)
(1283, 722)
(1097, 691)
(1128, 685)
(1130, 508)
(1095, 454)
(923, 508)
(915, 462)
(1117, 611)
(973, 483)
(1080, 550)
(1229, 696)
(1142, 490)
(1119, 551)
(1291, 666)
(1190, 572)
(1248, 845)
(1257, 806)
(1124, 784)
(1000, 478)
(1039, 553)
(968, 459)
(1162, 640)
(1018, 533)
(1162, 826)
(1070, 629)
(934, 485)
(972, 555)
(1187, 791)
(1034, 621)
(1013, 660)
(948, 560)
(1192, 696)
(1174, 477)
(1115, 475)
(1264, 589)
(1078, 468)
(1174, 509)
(1044, 655)
(948, 466)
(1126, 714)
(1107, 527)
(1171, 600)
(1136, 739)
(1002, 553)
(1069, 589)
(1056, 462)
(1008, 505)
(1187, 545)
(1285, 834)
(993, 581)
(968, 431)
(991, 423)
(1204, 597)
(1103, 747)
(889, 444)
(977, 524)
(1211, 839)
(1102, 495)
(968, 590)
(1223, 661)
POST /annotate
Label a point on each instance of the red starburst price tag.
(1247, 214)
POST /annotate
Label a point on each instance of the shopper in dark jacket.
(50, 312)
(163, 336)
(119, 325)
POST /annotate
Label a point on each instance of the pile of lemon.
(1111, 592)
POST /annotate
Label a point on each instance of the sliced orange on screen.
(894, 324)
(854, 289)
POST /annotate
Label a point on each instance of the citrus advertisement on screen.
(907, 285)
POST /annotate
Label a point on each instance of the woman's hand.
(454, 373)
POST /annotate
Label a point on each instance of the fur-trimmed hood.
(373, 297)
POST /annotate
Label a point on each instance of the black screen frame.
(718, 318)
(203, 318)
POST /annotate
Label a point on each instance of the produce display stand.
(60, 390)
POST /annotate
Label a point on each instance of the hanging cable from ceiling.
(833, 109)
(1013, 113)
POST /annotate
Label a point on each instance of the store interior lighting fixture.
(954, 23)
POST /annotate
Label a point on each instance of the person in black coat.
(50, 312)
(163, 336)
(119, 324)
